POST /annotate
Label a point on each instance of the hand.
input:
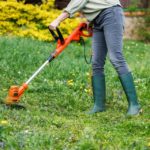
(89, 26)
(54, 24)
(57, 21)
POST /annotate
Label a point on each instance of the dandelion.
(4, 122)
(70, 82)
(88, 90)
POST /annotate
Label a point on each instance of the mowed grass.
(52, 112)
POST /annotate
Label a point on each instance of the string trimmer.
(15, 92)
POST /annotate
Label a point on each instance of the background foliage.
(31, 20)
(27, 20)
(144, 30)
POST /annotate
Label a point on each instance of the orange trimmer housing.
(15, 93)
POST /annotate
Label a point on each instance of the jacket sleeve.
(75, 6)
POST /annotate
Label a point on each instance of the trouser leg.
(99, 52)
(113, 35)
(98, 78)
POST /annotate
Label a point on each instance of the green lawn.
(52, 112)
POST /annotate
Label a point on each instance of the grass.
(52, 112)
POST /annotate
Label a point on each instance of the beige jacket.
(90, 8)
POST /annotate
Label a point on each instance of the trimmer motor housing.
(15, 93)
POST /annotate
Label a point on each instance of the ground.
(52, 113)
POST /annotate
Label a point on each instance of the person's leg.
(99, 52)
(98, 78)
(113, 35)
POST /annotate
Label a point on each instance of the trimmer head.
(14, 94)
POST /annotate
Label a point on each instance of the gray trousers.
(108, 38)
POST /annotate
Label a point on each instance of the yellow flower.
(70, 82)
(89, 91)
(4, 122)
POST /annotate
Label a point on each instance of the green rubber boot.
(129, 88)
(99, 93)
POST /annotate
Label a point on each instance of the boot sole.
(139, 113)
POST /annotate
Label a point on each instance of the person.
(108, 26)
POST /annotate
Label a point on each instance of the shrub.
(31, 20)
(144, 31)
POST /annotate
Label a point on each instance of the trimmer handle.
(57, 36)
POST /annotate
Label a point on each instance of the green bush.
(144, 31)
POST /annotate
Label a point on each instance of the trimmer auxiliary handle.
(57, 36)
